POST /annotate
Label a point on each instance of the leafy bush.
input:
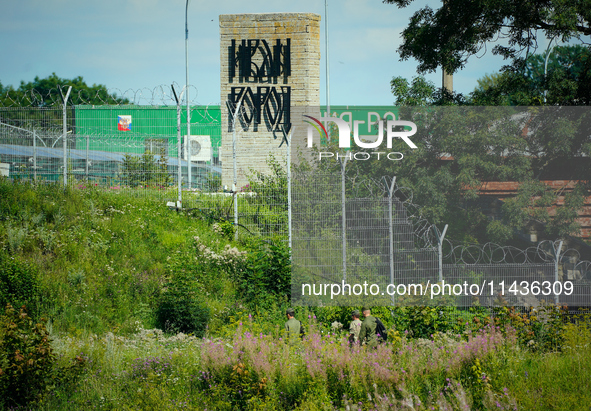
(182, 308)
(146, 170)
(27, 361)
(540, 329)
(224, 228)
(423, 321)
(266, 276)
(26, 358)
(19, 284)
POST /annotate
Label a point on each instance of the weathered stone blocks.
(302, 77)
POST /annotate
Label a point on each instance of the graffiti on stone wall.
(257, 62)
(268, 103)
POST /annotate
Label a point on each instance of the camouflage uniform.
(367, 334)
(354, 330)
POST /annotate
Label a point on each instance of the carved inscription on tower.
(269, 65)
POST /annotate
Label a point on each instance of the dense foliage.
(483, 367)
(562, 81)
(448, 36)
(28, 364)
(51, 90)
(181, 307)
(117, 264)
(461, 149)
(554, 77)
(146, 170)
(266, 276)
(19, 283)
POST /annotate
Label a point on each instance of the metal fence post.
(188, 149)
(289, 191)
(235, 168)
(65, 135)
(440, 252)
(34, 156)
(391, 233)
(87, 150)
(344, 219)
(556, 261)
(179, 171)
(178, 144)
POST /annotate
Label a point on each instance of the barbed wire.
(32, 110)
(427, 235)
(241, 115)
(161, 95)
(490, 253)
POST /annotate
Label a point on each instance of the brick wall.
(507, 189)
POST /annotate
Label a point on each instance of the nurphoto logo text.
(394, 129)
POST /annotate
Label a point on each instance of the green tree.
(146, 170)
(449, 189)
(422, 92)
(418, 92)
(46, 92)
(448, 36)
(565, 80)
(462, 148)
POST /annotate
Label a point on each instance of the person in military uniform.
(293, 327)
(367, 333)
(355, 327)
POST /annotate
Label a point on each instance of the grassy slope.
(103, 260)
(102, 257)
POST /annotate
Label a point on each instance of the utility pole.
(327, 62)
(187, 95)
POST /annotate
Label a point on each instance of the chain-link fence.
(343, 230)
(379, 250)
(119, 147)
(142, 149)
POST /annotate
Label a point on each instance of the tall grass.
(103, 256)
(485, 369)
(104, 260)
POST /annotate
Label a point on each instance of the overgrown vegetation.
(19, 283)
(146, 170)
(483, 367)
(28, 364)
(554, 149)
(130, 287)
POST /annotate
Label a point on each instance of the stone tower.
(270, 65)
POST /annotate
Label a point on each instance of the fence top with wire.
(161, 95)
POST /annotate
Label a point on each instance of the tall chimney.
(447, 81)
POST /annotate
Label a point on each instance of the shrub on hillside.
(27, 363)
(266, 276)
(224, 228)
(182, 308)
(19, 283)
